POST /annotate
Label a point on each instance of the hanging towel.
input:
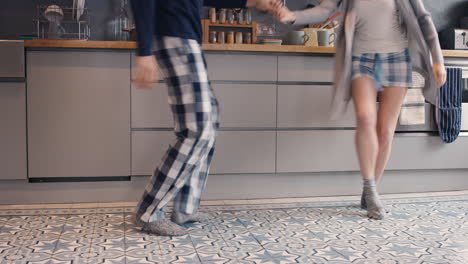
(449, 106)
(413, 110)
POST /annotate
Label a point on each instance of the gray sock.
(375, 209)
(160, 225)
(181, 218)
(363, 201)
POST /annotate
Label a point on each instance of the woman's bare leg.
(391, 100)
(364, 98)
(367, 145)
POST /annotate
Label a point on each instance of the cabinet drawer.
(148, 148)
(421, 151)
(150, 108)
(309, 106)
(247, 105)
(236, 151)
(242, 105)
(305, 69)
(316, 151)
(238, 67)
(244, 152)
(13, 131)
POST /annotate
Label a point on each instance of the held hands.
(263, 5)
(282, 13)
(440, 75)
(146, 73)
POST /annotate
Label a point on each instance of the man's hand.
(146, 73)
(263, 5)
(438, 69)
(282, 13)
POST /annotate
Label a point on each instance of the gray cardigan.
(422, 37)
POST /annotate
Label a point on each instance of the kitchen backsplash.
(16, 15)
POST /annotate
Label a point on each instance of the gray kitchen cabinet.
(308, 106)
(13, 131)
(78, 113)
(421, 151)
(305, 69)
(316, 151)
(247, 105)
(236, 151)
(240, 67)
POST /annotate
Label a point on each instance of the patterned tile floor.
(418, 230)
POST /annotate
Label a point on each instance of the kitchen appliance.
(455, 39)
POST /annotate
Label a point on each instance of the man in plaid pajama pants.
(171, 29)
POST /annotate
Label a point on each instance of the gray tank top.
(378, 27)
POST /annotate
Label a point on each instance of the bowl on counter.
(271, 41)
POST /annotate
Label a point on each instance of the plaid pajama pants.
(183, 171)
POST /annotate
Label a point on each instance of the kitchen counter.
(86, 122)
(81, 44)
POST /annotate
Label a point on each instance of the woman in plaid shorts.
(379, 45)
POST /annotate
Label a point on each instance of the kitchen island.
(92, 136)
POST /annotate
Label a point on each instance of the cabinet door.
(13, 131)
(78, 113)
(247, 105)
(236, 151)
(305, 69)
(309, 106)
(242, 67)
(316, 151)
(150, 108)
(421, 151)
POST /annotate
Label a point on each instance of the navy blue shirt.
(176, 18)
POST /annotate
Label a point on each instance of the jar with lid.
(230, 16)
(239, 38)
(248, 16)
(247, 38)
(221, 37)
(212, 15)
(222, 16)
(230, 37)
(213, 38)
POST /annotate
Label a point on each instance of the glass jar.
(230, 16)
(212, 15)
(222, 16)
(240, 16)
(247, 38)
(239, 38)
(248, 16)
(230, 37)
(221, 37)
(213, 38)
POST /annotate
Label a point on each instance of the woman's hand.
(146, 73)
(438, 69)
(282, 13)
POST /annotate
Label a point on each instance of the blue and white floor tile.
(429, 230)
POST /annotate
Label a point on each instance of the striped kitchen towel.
(413, 110)
(449, 106)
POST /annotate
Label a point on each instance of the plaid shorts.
(386, 69)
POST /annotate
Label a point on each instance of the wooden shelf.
(207, 25)
(231, 25)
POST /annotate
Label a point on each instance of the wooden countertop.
(83, 44)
